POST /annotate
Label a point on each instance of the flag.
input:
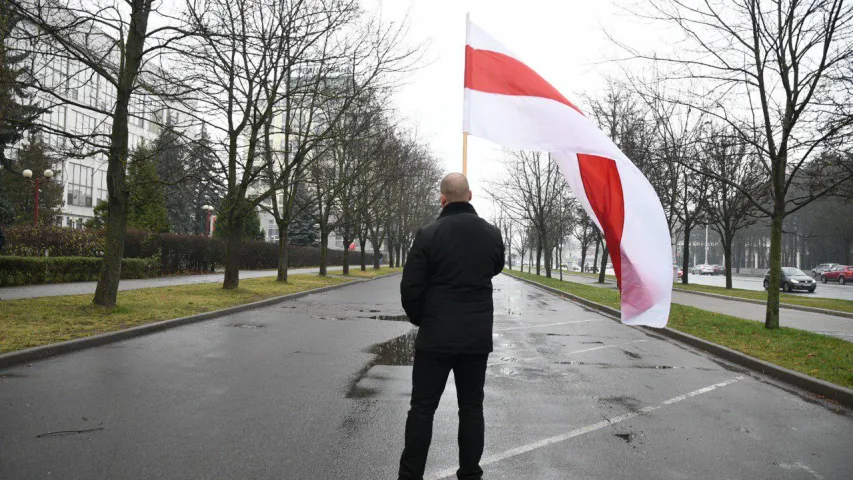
(510, 104)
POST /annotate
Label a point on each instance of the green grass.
(802, 299)
(371, 273)
(604, 296)
(820, 356)
(40, 321)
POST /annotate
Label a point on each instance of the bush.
(39, 270)
(174, 253)
(33, 241)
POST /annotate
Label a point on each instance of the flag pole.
(465, 153)
(464, 133)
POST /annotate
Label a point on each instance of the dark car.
(840, 273)
(792, 279)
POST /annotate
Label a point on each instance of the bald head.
(454, 188)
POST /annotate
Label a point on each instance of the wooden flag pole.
(465, 153)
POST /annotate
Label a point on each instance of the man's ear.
(443, 200)
(470, 195)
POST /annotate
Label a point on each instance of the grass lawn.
(40, 321)
(370, 272)
(820, 356)
(803, 299)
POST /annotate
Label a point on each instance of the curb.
(44, 351)
(817, 386)
(790, 306)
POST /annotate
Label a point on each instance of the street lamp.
(28, 174)
(208, 209)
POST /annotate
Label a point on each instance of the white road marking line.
(450, 472)
(545, 325)
(605, 346)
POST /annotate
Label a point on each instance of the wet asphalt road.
(316, 389)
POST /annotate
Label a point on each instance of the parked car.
(705, 269)
(792, 279)
(719, 269)
(576, 268)
(840, 273)
(823, 267)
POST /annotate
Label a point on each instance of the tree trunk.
(583, 256)
(603, 266)
(324, 250)
(283, 259)
(685, 273)
(106, 291)
(363, 255)
(539, 256)
(595, 258)
(727, 253)
(771, 319)
(376, 254)
(232, 258)
(559, 263)
(346, 255)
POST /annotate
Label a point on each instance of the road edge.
(816, 386)
(791, 306)
(41, 352)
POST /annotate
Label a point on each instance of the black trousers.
(429, 376)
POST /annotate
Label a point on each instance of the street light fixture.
(208, 209)
(28, 174)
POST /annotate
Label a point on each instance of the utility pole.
(706, 244)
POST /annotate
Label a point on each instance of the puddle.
(390, 318)
(559, 334)
(399, 351)
(509, 359)
(610, 365)
(632, 354)
(247, 325)
(628, 437)
(69, 432)
(12, 375)
(592, 343)
(322, 317)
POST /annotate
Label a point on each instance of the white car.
(704, 269)
(576, 268)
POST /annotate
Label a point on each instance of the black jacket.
(447, 281)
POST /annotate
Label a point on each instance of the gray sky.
(563, 40)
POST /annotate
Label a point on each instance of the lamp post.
(48, 174)
(208, 209)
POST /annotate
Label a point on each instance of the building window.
(272, 231)
(79, 185)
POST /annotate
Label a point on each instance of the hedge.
(39, 270)
(176, 253)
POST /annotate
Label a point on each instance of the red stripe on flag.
(493, 72)
(603, 189)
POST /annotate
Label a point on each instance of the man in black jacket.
(447, 291)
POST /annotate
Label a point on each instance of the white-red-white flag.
(510, 104)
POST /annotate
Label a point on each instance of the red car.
(842, 273)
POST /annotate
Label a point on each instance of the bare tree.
(107, 43)
(773, 71)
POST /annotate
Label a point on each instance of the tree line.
(279, 106)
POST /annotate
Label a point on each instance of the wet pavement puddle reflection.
(397, 352)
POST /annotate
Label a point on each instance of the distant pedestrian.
(447, 291)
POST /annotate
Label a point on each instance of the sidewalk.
(835, 326)
(83, 288)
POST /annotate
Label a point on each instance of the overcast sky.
(565, 41)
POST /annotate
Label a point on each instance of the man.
(447, 291)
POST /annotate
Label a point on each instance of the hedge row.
(176, 253)
(39, 270)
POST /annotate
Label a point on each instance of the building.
(77, 122)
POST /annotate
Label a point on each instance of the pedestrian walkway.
(86, 288)
(832, 325)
